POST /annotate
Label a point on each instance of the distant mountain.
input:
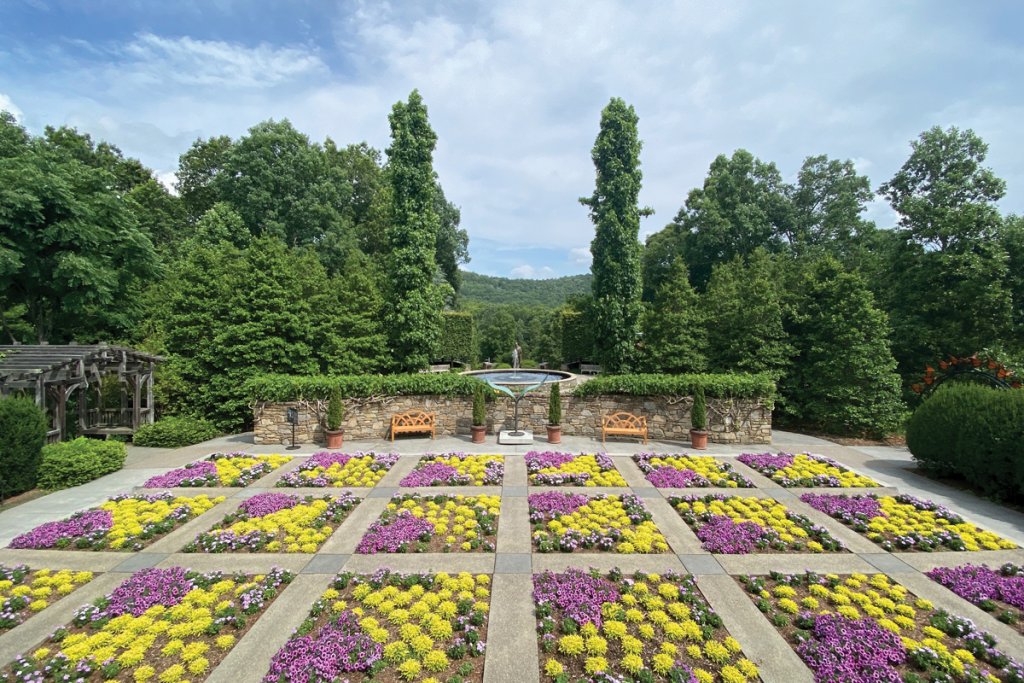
(503, 290)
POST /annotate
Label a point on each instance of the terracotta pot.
(479, 433)
(554, 433)
(698, 439)
(334, 438)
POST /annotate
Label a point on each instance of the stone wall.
(730, 421)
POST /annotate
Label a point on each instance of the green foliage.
(675, 326)
(555, 405)
(413, 321)
(501, 290)
(615, 211)
(845, 381)
(298, 387)
(174, 432)
(479, 406)
(723, 385)
(577, 337)
(22, 435)
(72, 463)
(828, 201)
(975, 432)
(699, 411)
(335, 409)
(457, 341)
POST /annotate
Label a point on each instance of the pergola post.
(136, 385)
(150, 408)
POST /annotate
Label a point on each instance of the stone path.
(511, 651)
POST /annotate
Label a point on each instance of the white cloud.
(529, 272)
(580, 256)
(6, 104)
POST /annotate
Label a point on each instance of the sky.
(515, 88)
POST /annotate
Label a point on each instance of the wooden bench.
(413, 421)
(623, 424)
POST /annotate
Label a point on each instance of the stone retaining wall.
(730, 421)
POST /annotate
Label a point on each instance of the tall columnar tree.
(615, 211)
(416, 299)
(675, 333)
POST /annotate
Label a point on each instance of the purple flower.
(978, 584)
(845, 508)
(435, 474)
(550, 504)
(202, 473)
(263, 504)
(766, 463)
(390, 536)
(576, 593)
(666, 477)
(722, 535)
(325, 459)
(339, 647)
(89, 524)
(146, 588)
(852, 650)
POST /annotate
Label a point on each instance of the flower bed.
(276, 522)
(457, 469)
(998, 591)
(736, 525)
(219, 469)
(570, 522)
(566, 469)
(421, 524)
(341, 469)
(122, 523)
(23, 592)
(165, 625)
(906, 523)
(641, 628)
(389, 627)
(688, 471)
(857, 628)
(805, 470)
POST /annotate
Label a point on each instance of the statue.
(517, 354)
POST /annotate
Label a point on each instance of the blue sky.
(515, 89)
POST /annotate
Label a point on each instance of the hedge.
(22, 435)
(456, 342)
(175, 432)
(308, 387)
(72, 463)
(724, 385)
(577, 337)
(975, 432)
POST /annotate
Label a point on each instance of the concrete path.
(511, 652)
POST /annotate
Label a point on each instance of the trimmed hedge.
(175, 432)
(72, 463)
(456, 341)
(724, 385)
(577, 337)
(975, 432)
(308, 387)
(22, 435)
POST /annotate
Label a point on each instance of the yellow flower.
(553, 668)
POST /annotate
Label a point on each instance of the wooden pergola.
(52, 373)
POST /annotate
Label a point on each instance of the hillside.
(502, 290)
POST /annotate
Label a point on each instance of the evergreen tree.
(675, 332)
(415, 297)
(616, 247)
(844, 380)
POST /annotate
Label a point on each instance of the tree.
(221, 223)
(844, 381)
(416, 299)
(660, 253)
(198, 169)
(615, 211)
(160, 214)
(675, 332)
(828, 201)
(1011, 238)
(745, 323)
(452, 245)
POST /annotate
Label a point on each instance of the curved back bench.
(413, 421)
(623, 424)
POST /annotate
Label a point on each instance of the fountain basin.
(521, 377)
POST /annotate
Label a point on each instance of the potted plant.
(699, 420)
(479, 428)
(555, 415)
(335, 414)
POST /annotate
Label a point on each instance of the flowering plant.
(434, 524)
(122, 523)
(276, 522)
(566, 469)
(326, 468)
(688, 471)
(457, 469)
(738, 525)
(24, 592)
(162, 624)
(805, 470)
(219, 469)
(906, 523)
(571, 522)
(1000, 591)
(641, 628)
(390, 626)
(860, 628)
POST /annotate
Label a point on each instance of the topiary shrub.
(555, 406)
(175, 432)
(699, 412)
(22, 435)
(479, 407)
(77, 462)
(335, 410)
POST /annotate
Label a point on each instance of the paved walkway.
(511, 652)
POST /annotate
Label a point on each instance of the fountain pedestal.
(522, 437)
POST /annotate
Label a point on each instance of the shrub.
(335, 410)
(311, 387)
(175, 432)
(72, 463)
(456, 341)
(723, 385)
(22, 434)
(479, 407)
(975, 432)
(555, 405)
(699, 412)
